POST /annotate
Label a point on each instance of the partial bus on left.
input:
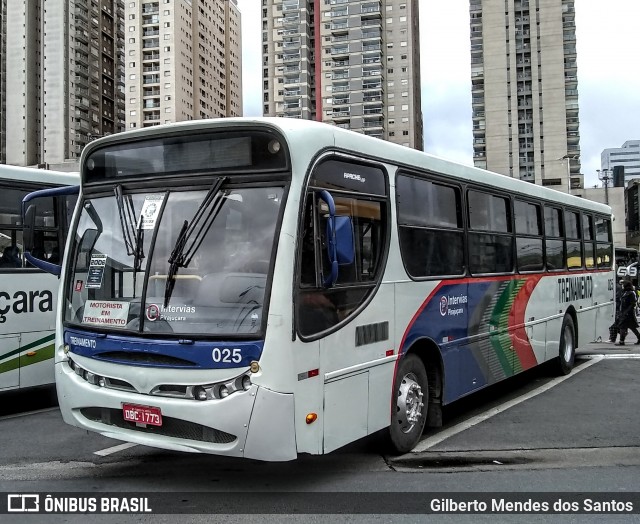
(28, 296)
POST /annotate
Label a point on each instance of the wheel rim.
(568, 344)
(409, 404)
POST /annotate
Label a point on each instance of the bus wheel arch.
(417, 396)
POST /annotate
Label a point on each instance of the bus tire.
(567, 351)
(409, 407)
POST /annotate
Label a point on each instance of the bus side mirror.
(340, 244)
(344, 246)
(28, 234)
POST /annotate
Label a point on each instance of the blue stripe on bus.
(460, 317)
(162, 353)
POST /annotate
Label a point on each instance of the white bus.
(268, 287)
(28, 295)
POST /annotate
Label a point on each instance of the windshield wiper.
(138, 254)
(132, 234)
(195, 231)
(126, 214)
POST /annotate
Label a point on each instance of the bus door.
(341, 303)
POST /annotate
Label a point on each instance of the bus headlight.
(223, 391)
(199, 393)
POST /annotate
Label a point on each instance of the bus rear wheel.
(409, 406)
(567, 351)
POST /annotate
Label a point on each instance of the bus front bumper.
(256, 424)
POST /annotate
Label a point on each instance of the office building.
(64, 77)
(183, 61)
(627, 156)
(525, 90)
(351, 63)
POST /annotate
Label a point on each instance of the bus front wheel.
(567, 350)
(409, 407)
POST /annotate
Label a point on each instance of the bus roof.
(43, 176)
(326, 136)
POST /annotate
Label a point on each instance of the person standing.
(627, 318)
(613, 328)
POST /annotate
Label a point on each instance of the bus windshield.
(197, 259)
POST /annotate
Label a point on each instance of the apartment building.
(525, 90)
(351, 63)
(183, 61)
(64, 77)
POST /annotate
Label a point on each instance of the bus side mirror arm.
(29, 222)
(332, 252)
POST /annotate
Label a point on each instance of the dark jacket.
(627, 317)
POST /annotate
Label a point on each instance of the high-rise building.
(627, 156)
(65, 77)
(525, 90)
(352, 63)
(183, 61)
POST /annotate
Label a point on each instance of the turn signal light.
(311, 418)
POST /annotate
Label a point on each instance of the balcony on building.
(291, 69)
(372, 110)
(151, 43)
(291, 57)
(340, 100)
(151, 8)
(291, 43)
(289, 80)
(374, 95)
(150, 56)
(339, 25)
(151, 115)
(340, 88)
(340, 112)
(290, 5)
(153, 91)
(372, 34)
(340, 50)
(370, 22)
(340, 74)
(151, 103)
(366, 47)
(151, 79)
(370, 8)
(292, 93)
(150, 20)
(342, 37)
(150, 31)
(372, 58)
(291, 20)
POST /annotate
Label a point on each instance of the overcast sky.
(608, 75)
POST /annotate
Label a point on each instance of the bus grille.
(171, 427)
(144, 358)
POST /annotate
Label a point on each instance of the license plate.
(142, 414)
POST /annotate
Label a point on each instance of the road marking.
(114, 449)
(429, 442)
(27, 413)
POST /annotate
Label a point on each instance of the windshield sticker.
(79, 284)
(151, 210)
(96, 271)
(170, 313)
(106, 313)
